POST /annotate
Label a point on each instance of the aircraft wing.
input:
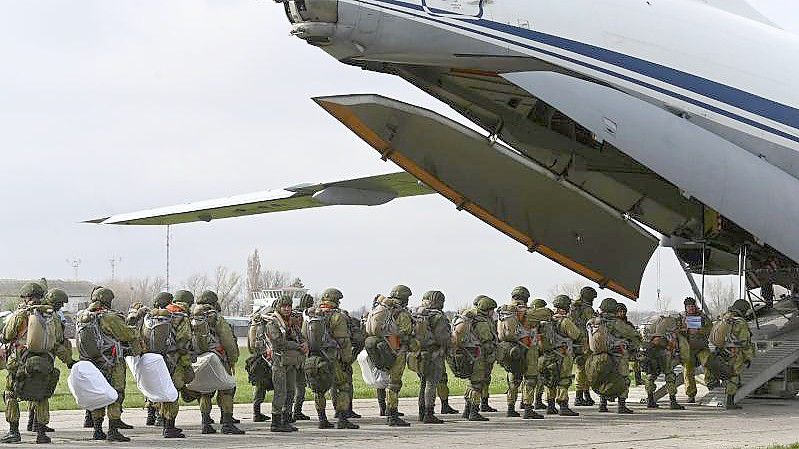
(514, 194)
(369, 191)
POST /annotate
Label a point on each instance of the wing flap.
(502, 188)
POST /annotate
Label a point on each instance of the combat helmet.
(401, 292)
(608, 305)
(306, 302)
(31, 290)
(484, 303)
(103, 295)
(520, 294)
(284, 300)
(539, 303)
(185, 297)
(162, 300)
(333, 295)
(621, 307)
(562, 302)
(433, 299)
(208, 297)
(587, 295)
(739, 307)
(56, 296)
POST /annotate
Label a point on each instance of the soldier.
(402, 337)
(306, 302)
(659, 357)
(287, 350)
(566, 333)
(481, 342)
(221, 341)
(357, 339)
(514, 333)
(621, 312)
(738, 348)
(433, 344)
(259, 371)
(537, 304)
(330, 350)
(103, 320)
(693, 339)
(628, 340)
(174, 347)
(581, 311)
(20, 354)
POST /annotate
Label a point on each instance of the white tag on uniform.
(693, 322)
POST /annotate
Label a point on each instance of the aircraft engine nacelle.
(313, 20)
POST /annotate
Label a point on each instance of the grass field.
(63, 400)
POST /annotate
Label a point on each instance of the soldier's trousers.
(116, 378)
(738, 363)
(477, 381)
(284, 379)
(689, 361)
(259, 392)
(623, 367)
(395, 380)
(169, 410)
(12, 404)
(525, 382)
(489, 368)
(561, 392)
(430, 379)
(665, 364)
(299, 390)
(442, 389)
(581, 378)
(224, 399)
(341, 390)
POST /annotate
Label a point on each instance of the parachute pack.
(318, 373)
(357, 335)
(317, 330)
(600, 340)
(158, 332)
(604, 378)
(257, 342)
(511, 356)
(508, 326)
(721, 333)
(203, 327)
(92, 342)
(36, 378)
(381, 320)
(41, 329)
(380, 353)
(463, 332)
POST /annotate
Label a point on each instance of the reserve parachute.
(41, 329)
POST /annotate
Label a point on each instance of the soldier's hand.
(304, 348)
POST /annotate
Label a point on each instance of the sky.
(110, 107)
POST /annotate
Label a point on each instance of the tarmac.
(761, 423)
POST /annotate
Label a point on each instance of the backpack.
(721, 333)
(463, 332)
(600, 340)
(257, 342)
(546, 335)
(41, 331)
(508, 326)
(461, 361)
(158, 333)
(37, 378)
(603, 376)
(665, 326)
(318, 373)
(381, 320)
(379, 352)
(203, 329)
(511, 356)
(317, 330)
(259, 371)
(93, 344)
(357, 335)
(422, 328)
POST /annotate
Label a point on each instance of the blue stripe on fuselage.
(760, 106)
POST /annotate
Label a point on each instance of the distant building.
(77, 291)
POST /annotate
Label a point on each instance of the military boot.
(512, 413)
(287, 421)
(350, 412)
(170, 431)
(467, 409)
(474, 412)
(673, 404)
(565, 410)
(691, 400)
(578, 399)
(551, 410)
(393, 419)
(529, 413)
(299, 415)
(731, 405)
(381, 401)
(539, 403)
(603, 404)
(622, 407)
(150, 416)
(113, 433)
(41, 435)
(31, 421)
(159, 419)
(344, 423)
(228, 426)
(207, 427)
(638, 380)
(421, 404)
(98, 430)
(13, 434)
(484, 407)
(588, 399)
(278, 425)
(233, 420)
(323, 422)
(430, 417)
(446, 409)
(87, 420)
(119, 424)
(650, 401)
(257, 416)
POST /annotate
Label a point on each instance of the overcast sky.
(109, 107)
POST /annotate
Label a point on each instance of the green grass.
(63, 400)
(787, 446)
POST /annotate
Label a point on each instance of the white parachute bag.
(152, 377)
(210, 375)
(375, 378)
(89, 387)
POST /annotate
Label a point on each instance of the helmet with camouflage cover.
(31, 290)
(587, 295)
(689, 301)
(306, 302)
(739, 307)
(56, 296)
(103, 295)
(208, 297)
(284, 300)
(333, 295)
(401, 292)
(539, 303)
(621, 307)
(162, 300)
(433, 299)
(185, 297)
(608, 305)
(520, 294)
(484, 303)
(562, 302)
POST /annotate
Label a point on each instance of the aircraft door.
(454, 8)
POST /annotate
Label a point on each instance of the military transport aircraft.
(603, 118)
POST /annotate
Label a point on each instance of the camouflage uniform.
(14, 335)
(659, 357)
(568, 333)
(483, 330)
(227, 348)
(539, 303)
(286, 350)
(404, 325)
(693, 345)
(112, 365)
(582, 310)
(259, 372)
(620, 355)
(739, 349)
(521, 338)
(306, 302)
(340, 356)
(432, 353)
